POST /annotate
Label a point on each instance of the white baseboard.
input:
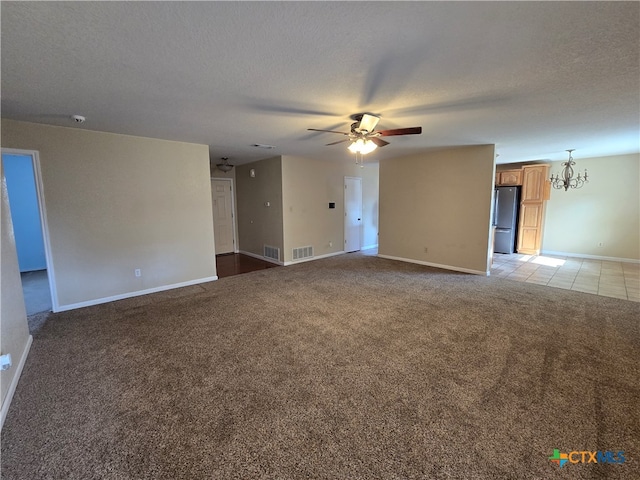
(97, 301)
(302, 260)
(261, 257)
(590, 257)
(14, 382)
(369, 247)
(436, 265)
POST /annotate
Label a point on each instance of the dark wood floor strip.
(237, 263)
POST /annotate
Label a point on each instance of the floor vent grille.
(272, 252)
(302, 252)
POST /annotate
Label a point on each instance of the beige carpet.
(351, 367)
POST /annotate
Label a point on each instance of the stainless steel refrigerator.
(505, 218)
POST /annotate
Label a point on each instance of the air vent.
(262, 145)
(302, 252)
(272, 252)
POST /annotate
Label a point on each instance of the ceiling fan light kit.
(363, 137)
(362, 146)
(225, 166)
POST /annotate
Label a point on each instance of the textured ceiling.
(535, 78)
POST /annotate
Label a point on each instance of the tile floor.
(598, 277)
(36, 291)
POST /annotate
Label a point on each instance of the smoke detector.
(78, 118)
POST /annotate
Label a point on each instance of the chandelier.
(566, 179)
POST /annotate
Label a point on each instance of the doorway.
(223, 218)
(26, 201)
(352, 214)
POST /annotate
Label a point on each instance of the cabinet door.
(530, 230)
(510, 177)
(533, 196)
(533, 182)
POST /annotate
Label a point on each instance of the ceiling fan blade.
(378, 141)
(400, 131)
(328, 131)
(339, 141)
(368, 122)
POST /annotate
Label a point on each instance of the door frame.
(233, 212)
(44, 222)
(344, 200)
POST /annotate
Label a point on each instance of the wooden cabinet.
(533, 197)
(534, 177)
(509, 177)
(530, 228)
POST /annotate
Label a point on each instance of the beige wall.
(116, 203)
(440, 201)
(14, 332)
(370, 193)
(299, 191)
(606, 210)
(259, 225)
(308, 186)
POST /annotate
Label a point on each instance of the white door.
(223, 224)
(352, 214)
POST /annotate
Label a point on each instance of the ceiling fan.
(225, 166)
(363, 136)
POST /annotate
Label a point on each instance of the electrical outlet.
(601, 244)
(331, 244)
(426, 250)
(138, 272)
(5, 361)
